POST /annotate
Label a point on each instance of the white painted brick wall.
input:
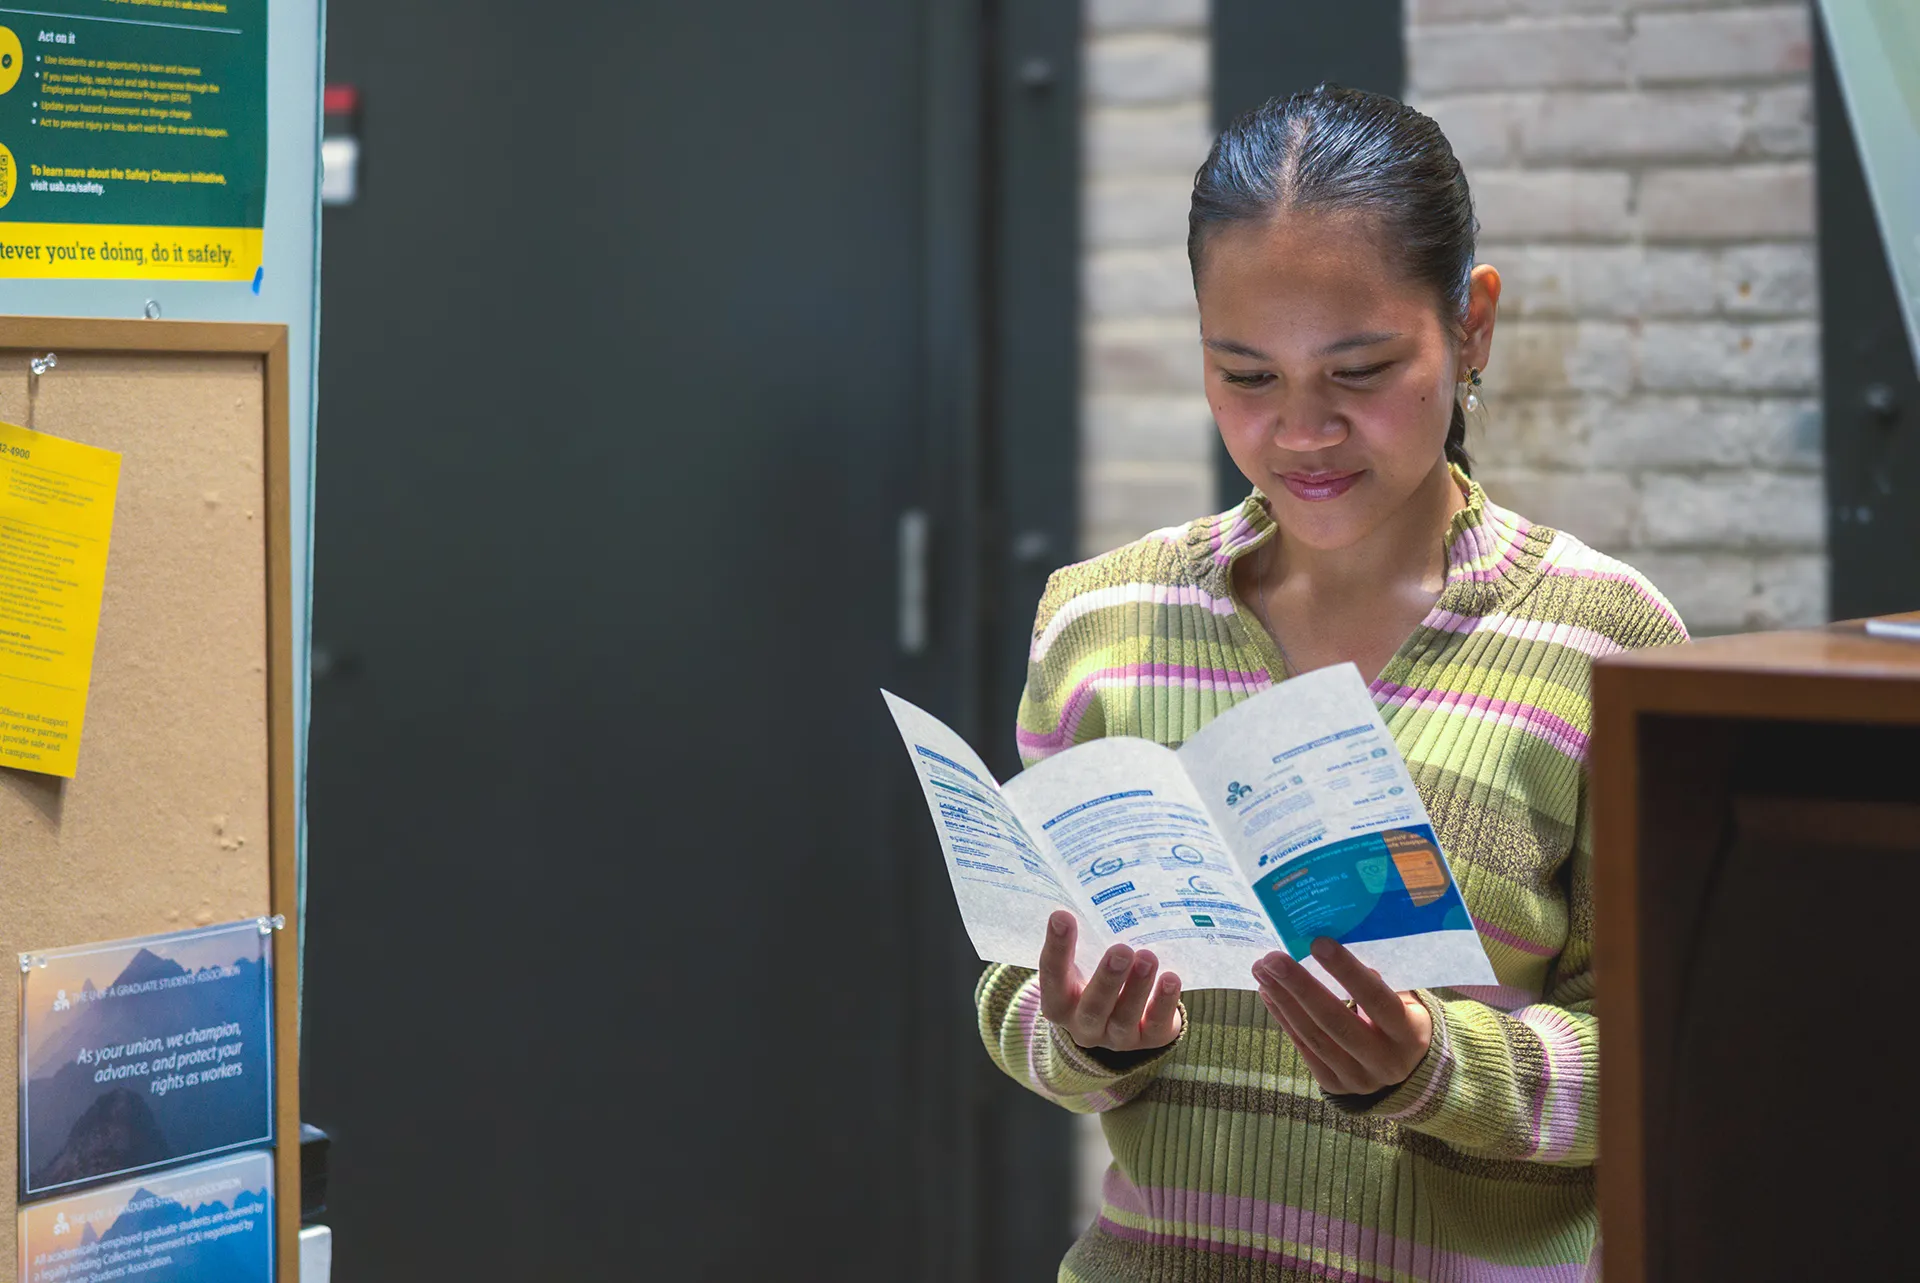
(1147, 67)
(1164, 141)
(1744, 43)
(1564, 204)
(1735, 202)
(1584, 127)
(1146, 434)
(1644, 177)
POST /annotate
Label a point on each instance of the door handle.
(328, 663)
(1880, 404)
(1032, 548)
(914, 536)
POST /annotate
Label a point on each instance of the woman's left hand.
(1352, 1050)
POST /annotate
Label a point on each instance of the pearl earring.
(1473, 397)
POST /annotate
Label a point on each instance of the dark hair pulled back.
(1336, 150)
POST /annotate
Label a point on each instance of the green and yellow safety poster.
(133, 139)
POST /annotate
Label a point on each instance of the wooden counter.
(1757, 840)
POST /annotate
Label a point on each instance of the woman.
(1443, 1134)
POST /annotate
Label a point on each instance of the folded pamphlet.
(1288, 817)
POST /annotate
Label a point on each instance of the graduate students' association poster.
(137, 1055)
(208, 1223)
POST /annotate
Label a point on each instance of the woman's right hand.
(1121, 1008)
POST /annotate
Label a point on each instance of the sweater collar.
(1490, 550)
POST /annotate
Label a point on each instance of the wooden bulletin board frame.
(124, 342)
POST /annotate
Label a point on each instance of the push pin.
(36, 367)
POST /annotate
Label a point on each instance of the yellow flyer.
(56, 517)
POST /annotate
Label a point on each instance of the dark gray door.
(629, 952)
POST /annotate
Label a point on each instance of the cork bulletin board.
(182, 810)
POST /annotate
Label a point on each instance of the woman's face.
(1331, 376)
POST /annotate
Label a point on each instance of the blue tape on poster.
(143, 1053)
(208, 1223)
(1373, 887)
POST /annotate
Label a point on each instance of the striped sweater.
(1229, 1161)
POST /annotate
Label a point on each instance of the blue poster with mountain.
(140, 1054)
(208, 1223)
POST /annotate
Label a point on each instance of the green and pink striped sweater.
(1229, 1161)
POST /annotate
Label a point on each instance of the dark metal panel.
(1263, 49)
(1032, 220)
(1870, 396)
(1029, 521)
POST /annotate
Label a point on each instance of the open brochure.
(1288, 817)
